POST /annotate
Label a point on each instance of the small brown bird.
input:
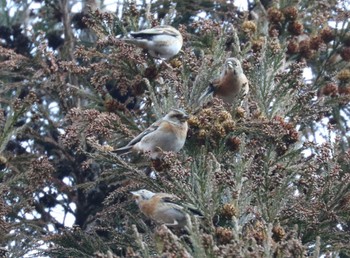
(167, 134)
(163, 208)
(162, 42)
(231, 85)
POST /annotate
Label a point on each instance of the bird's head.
(177, 116)
(232, 64)
(142, 194)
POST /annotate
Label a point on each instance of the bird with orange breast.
(164, 208)
(167, 134)
(231, 85)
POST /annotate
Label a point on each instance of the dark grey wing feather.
(150, 33)
(138, 138)
(178, 205)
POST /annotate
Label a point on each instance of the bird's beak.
(135, 194)
(184, 118)
(230, 65)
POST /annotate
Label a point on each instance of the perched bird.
(231, 85)
(167, 134)
(164, 208)
(162, 42)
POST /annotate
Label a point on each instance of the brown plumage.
(163, 208)
(167, 134)
(232, 84)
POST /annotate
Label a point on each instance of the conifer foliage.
(270, 177)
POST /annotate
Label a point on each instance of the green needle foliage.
(270, 178)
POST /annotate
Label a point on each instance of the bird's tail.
(140, 42)
(207, 92)
(123, 150)
(193, 209)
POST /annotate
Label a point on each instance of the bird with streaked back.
(167, 134)
(162, 42)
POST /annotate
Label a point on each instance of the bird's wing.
(170, 198)
(171, 207)
(149, 33)
(175, 202)
(209, 90)
(150, 129)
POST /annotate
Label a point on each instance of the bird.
(231, 85)
(167, 134)
(162, 42)
(164, 208)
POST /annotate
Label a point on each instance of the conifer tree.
(270, 177)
